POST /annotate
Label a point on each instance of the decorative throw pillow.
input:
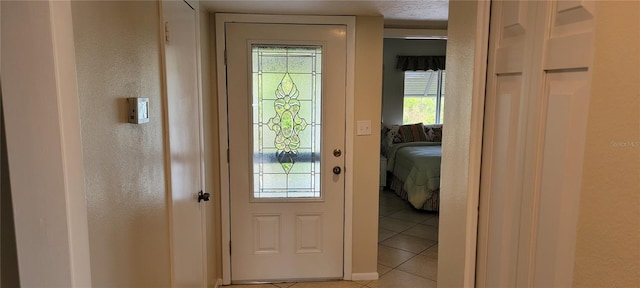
(413, 133)
(393, 135)
(384, 146)
(390, 135)
(434, 132)
(384, 130)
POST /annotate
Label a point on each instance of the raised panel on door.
(565, 121)
(504, 143)
(510, 29)
(570, 35)
(505, 201)
(566, 73)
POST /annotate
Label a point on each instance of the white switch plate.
(364, 127)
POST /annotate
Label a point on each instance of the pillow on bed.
(413, 133)
(389, 137)
(434, 132)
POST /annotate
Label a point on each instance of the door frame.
(349, 22)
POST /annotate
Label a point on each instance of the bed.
(413, 165)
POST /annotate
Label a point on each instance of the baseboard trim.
(364, 276)
(218, 283)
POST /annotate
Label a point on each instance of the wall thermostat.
(138, 110)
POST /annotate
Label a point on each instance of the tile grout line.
(407, 250)
(402, 233)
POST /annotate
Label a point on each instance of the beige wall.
(393, 88)
(608, 236)
(366, 159)
(461, 144)
(117, 54)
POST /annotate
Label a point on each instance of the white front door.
(185, 156)
(286, 115)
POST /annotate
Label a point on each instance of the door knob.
(203, 196)
(337, 170)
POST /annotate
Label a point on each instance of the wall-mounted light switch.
(138, 110)
(363, 127)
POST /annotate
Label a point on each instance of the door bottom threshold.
(293, 280)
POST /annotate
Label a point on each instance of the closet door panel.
(565, 89)
(538, 82)
(504, 143)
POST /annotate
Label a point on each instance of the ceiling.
(430, 14)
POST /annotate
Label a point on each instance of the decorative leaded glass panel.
(287, 82)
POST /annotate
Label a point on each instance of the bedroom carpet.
(407, 250)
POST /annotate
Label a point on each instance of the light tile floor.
(407, 245)
(407, 250)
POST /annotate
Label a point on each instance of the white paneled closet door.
(538, 86)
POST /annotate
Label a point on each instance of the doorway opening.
(410, 157)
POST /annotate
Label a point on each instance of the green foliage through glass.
(286, 104)
(423, 97)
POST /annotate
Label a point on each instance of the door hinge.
(166, 32)
(228, 156)
(225, 57)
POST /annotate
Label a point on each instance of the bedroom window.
(423, 97)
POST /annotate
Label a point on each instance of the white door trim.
(222, 18)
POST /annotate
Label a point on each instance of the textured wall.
(366, 150)
(117, 53)
(393, 87)
(461, 144)
(608, 236)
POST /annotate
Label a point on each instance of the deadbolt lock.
(337, 152)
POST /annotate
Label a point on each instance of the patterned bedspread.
(417, 165)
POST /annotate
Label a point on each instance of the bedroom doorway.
(408, 212)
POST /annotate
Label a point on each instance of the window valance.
(425, 63)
